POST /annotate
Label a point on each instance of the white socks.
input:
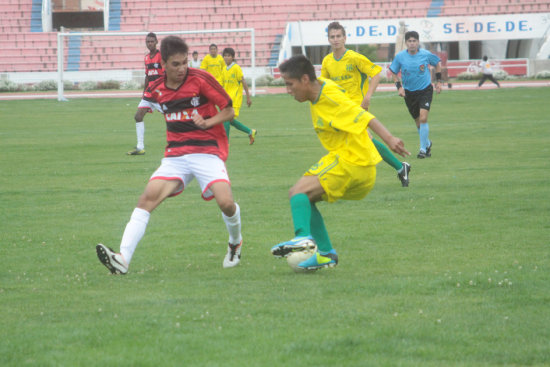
(233, 225)
(135, 229)
(140, 132)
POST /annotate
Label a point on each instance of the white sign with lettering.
(436, 29)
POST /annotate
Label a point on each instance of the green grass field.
(452, 271)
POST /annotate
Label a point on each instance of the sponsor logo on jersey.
(178, 116)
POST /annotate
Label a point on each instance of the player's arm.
(391, 141)
(372, 71)
(225, 114)
(145, 82)
(438, 77)
(245, 87)
(373, 84)
(398, 85)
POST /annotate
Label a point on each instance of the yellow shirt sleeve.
(366, 66)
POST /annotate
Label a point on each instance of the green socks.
(319, 231)
(308, 221)
(387, 155)
(238, 125)
(301, 214)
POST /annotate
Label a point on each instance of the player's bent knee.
(140, 114)
(228, 207)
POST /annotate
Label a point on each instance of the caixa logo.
(179, 116)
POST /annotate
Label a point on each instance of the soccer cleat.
(404, 175)
(429, 150)
(233, 256)
(136, 151)
(422, 155)
(318, 261)
(112, 260)
(252, 136)
(303, 243)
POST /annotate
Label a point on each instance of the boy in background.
(234, 83)
(153, 71)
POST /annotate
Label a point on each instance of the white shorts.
(206, 168)
(150, 106)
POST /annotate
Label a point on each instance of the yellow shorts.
(237, 109)
(341, 180)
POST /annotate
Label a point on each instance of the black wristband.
(438, 77)
(398, 85)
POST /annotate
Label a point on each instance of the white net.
(119, 55)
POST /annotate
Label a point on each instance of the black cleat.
(404, 175)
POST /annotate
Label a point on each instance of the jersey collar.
(341, 57)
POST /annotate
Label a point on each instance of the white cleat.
(233, 256)
(112, 260)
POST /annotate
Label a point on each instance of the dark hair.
(151, 34)
(195, 52)
(172, 45)
(297, 66)
(412, 34)
(229, 51)
(213, 45)
(336, 26)
(484, 58)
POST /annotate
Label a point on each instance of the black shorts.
(419, 99)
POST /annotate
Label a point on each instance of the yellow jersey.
(351, 72)
(341, 125)
(233, 84)
(214, 65)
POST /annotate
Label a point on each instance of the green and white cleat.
(297, 244)
(318, 261)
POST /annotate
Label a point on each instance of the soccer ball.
(297, 257)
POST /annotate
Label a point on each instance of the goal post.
(219, 36)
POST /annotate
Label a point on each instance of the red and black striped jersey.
(153, 66)
(199, 93)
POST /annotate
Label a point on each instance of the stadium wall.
(499, 36)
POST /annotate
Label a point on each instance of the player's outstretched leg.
(112, 260)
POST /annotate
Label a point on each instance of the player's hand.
(401, 92)
(398, 146)
(365, 104)
(200, 121)
(438, 87)
(248, 101)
